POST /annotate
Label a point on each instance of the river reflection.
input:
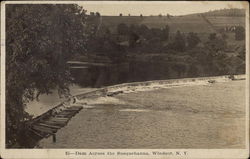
(95, 76)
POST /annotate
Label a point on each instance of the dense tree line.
(143, 30)
(239, 33)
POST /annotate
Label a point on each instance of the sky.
(155, 8)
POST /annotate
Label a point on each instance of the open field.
(222, 21)
(185, 24)
(198, 116)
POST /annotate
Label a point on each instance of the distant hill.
(226, 17)
(200, 23)
(233, 12)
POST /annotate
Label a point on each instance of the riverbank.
(47, 102)
(193, 116)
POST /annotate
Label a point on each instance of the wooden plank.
(41, 132)
(61, 121)
(40, 127)
(44, 129)
(71, 110)
(66, 113)
(58, 121)
(47, 127)
(69, 114)
(50, 126)
(54, 123)
(75, 107)
(38, 133)
(61, 118)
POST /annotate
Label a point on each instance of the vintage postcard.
(124, 79)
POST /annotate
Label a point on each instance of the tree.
(168, 16)
(215, 43)
(92, 14)
(242, 53)
(133, 37)
(212, 36)
(40, 38)
(224, 36)
(143, 30)
(192, 40)
(239, 33)
(98, 14)
(92, 26)
(122, 29)
(156, 32)
(165, 33)
(179, 42)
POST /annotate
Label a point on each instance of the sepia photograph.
(124, 79)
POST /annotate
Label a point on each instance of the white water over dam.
(49, 101)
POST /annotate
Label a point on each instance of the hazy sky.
(155, 8)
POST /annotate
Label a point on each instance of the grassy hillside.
(221, 21)
(210, 50)
(187, 23)
(233, 12)
(182, 23)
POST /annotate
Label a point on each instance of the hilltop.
(233, 12)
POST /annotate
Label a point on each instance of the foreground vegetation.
(40, 40)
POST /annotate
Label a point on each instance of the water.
(134, 70)
(93, 77)
(126, 72)
(198, 116)
(49, 101)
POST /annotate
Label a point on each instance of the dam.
(182, 113)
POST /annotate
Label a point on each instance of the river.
(198, 116)
(91, 78)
